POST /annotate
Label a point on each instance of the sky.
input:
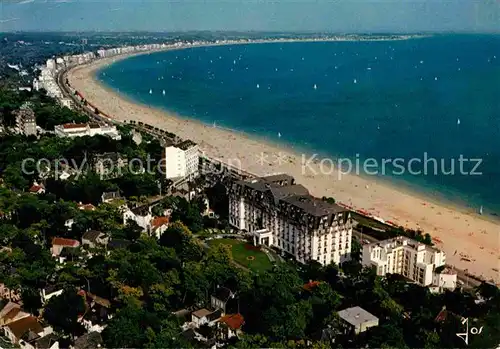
(343, 16)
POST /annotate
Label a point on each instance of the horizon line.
(306, 32)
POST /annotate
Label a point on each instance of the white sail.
(279, 135)
(458, 121)
(150, 92)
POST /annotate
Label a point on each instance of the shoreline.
(401, 185)
(454, 226)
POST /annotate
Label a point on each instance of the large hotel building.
(280, 213)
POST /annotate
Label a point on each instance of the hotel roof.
(314, 206)
(283, 188)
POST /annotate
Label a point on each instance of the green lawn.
(260, 261)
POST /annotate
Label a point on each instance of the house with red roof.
(311, 285)
(159, 225)
(230, 326)
(97, 312)
(59, 243)
(37, 188)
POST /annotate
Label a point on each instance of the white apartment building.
(80, 130)
(280, 213)
(402, 255)
(141, 215)
(181, 160)
(25, 120)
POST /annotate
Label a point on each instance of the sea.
(422, 113)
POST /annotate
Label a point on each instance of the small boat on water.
(163, 92)
(458, 121)
(258, 86)
(279, 135)
(315, 87)
(150, 92)
(481, 210)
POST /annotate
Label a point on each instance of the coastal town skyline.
(340, 16)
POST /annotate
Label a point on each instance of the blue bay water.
(383, 100)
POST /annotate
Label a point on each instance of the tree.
(178, 237)
(356, 250)
(62, 312)
(31, 300)
(189, 213)
(219, 200)
(132, 230)
(132, 320)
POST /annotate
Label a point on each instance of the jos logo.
(473, 330)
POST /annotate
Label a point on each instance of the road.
(60, 78)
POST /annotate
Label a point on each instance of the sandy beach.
(470, 241)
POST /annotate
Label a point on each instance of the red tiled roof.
(12, 313)
(311, 284)
(67, 126)
(35, 188)
(65, 242)
(443, 314)
(233, 321)
(159, 221)
(21, 326)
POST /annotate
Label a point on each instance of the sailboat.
(150, 92)
(258, 86)
(458, 121)
(279, 135)
(481, 210)
(163, 92)
(315, 87)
